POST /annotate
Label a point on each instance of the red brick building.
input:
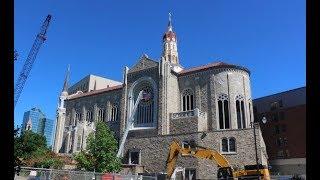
(285, 130)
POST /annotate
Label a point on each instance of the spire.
(170, 50)
(66, 80)
(170, 23)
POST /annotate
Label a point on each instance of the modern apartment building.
(285, 130)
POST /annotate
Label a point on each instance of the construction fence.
(30, 173)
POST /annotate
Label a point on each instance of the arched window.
(101, 114)
(114, 113)
(79, 143)
(145, 113)
(224, 145)
(241, 118)
(76, 119)
(187, 100)
(223, 107)
(228, 145)
(89, 116)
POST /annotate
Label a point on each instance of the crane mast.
(41, 37)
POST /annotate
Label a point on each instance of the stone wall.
(188, 122)
(154, 151)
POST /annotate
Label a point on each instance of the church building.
(210, 104)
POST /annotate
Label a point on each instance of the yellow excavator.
(225, 170)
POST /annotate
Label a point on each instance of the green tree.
(30, 149)
(29, 144)
(100, 153)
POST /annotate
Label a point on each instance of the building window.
(279, 142)
(223, 107)
(281, 115)
(190, 174)
(285, 141)
(228, 145)
(187, 100)
(185, 144)
(276, 105)
(145, 112)
(283, 128)
(134, 157)
(241, 119)
(76, 119)
(275, 117)
(101, 114)
(277, 129)
(79, 143)
(287, 153)
(280, 154)
(89, 116)
(114, 113)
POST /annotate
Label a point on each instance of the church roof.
(210, 66)
(91, 93)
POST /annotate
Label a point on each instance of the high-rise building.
(32, 120)
(49, 131)
(285, 129)
(36, 121)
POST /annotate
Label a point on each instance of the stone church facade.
(209, 104)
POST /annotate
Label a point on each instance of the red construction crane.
(41, 37)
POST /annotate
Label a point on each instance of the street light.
(264, 120)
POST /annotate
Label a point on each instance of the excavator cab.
(225, 173)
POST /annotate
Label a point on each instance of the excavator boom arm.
(211, 154)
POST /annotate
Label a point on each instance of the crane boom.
(41, 37)
(130, 123)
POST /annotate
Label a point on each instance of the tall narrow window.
(241, 115)
(79, 143)
(89, 116)
(76, 119)
(187, 100)
(114, 113)
(101, 114)
(238, 113)
(223, 108)
(220, 114)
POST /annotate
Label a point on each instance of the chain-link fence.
(27, 173)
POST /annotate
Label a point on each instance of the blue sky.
(102, 36)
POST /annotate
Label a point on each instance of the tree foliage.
(30, 150)
(100, 153)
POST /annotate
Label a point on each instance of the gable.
(143, 63)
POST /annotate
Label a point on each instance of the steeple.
(66, 80)
(170, 51)
(170, 23)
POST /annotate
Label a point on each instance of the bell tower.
(170, 50)
(61, 115)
